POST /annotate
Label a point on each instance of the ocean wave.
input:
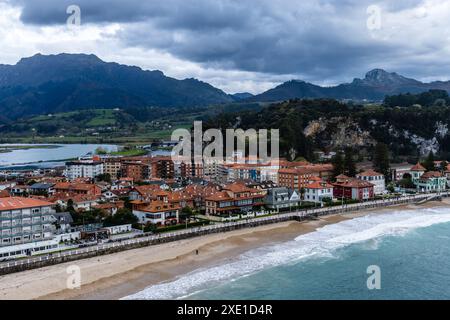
(320, 243)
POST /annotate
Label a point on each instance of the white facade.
(119, 229)
(317, 195)
(83, 169)
(156, 217)
(377, 179)
(26, 226)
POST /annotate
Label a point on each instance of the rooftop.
(12, 203)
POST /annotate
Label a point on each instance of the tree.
(429, 162)
(444, 165)
(338, 164)
(186, 213)
(101, 151)
(406, 181)
(381, 160)
(122, 216)
(349, 163)
(106, 177)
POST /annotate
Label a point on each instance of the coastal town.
(100, 199)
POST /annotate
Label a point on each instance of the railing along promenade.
(144, 240)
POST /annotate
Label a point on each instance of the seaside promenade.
(151, 239)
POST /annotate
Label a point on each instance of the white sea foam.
(321, 243)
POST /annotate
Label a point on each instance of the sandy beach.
(117, 275)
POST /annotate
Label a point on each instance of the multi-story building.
(234, 199)
(352, 188)
(416, 172)
(299, 176)
(377, 179)
(191, 169)
(112, 166)
(25, 227)
(295, 179)
(431, 181)
(83, 169)
(398, 171)
(137, 171)
(318, 191)
(158, 212)
(162, 167)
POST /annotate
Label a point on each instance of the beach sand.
(118, 275)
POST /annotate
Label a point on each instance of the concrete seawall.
(144, 241)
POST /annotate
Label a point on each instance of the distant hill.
(308, 125)
(64, 82)
(375, 86)
(242, 95)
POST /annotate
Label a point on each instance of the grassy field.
(114, 126)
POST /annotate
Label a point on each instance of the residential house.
(109, 208)
(78, 188)
(351, 188)
(233, 199)
(431, 181)
(157, 212)
(377, 179)
(416, 172)
(317, 191)
(42, 189)
(281, 198)
(63, 221)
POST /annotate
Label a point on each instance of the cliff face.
(338, 133)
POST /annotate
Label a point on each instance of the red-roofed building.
(234, 198)
(416, 172)
(4, 193)
(77, 188)
(354, 189)
(25, 224)
(317, 191)
(431, 181)
(299, 177)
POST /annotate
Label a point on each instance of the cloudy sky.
(240, 45)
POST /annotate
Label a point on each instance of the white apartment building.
(375, 178)
(26, 227)
(83, 169)
(317, 191)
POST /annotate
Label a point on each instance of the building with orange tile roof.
(318, 191)
(77, 188)
(26, 225)
(431, 181)
(233, 199)
(157, 212)
(354, 189)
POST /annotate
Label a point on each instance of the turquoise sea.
(411, 249)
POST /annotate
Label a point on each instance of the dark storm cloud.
(318, 40)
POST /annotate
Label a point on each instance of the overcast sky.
(240, 45)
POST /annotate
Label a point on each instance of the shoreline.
(121, 274)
